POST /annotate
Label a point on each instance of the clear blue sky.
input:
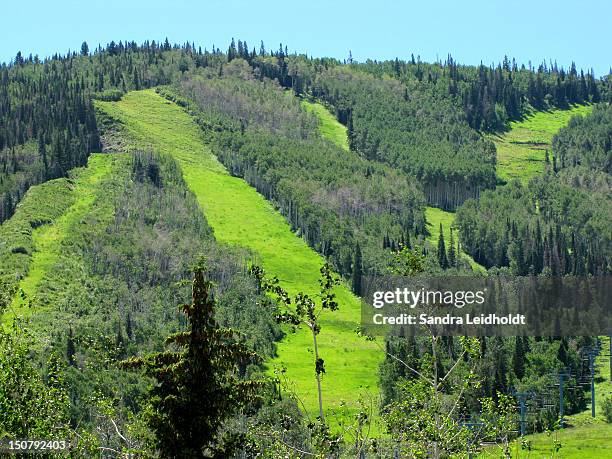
(471, 30)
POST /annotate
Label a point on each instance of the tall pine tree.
(197, 389)
(357, 271)
(442, 258)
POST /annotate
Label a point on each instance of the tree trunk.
(320, 393)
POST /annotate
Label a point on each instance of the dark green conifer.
(197, 388)
(70, 348)
(518, 358)
(442, 258)
(452, 254)
(357, 270)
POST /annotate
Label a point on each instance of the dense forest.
(48, 124)
(415, 132)
(558, 222)
(492, 95)
(586, 142)
(412, 129)
(47, 119)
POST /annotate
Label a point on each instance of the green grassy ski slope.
(434, 217)
(586, 442)
(329, 126)
(79, 195)
(521, 151)
(521, 155)
(239, 215)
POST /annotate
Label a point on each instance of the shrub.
(607, 408)
(108, 95)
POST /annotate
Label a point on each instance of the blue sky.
(471, 30)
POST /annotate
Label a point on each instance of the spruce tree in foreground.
(197, 388)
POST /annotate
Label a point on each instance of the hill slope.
(585, 437)
(521, 151)
(239, 215)
(74, 198)
(335, 132)
(329, 126)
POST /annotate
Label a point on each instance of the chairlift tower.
(590, 353)
(522, 399)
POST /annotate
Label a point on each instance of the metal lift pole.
(592, 368)
(561, 400)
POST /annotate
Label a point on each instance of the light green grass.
(586, 442)
(329, 126)
(239, 215)
(521, 151)
(47, 239)
(434, 217)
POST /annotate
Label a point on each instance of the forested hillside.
(111, 289)
(586, 141)
(493, 95)
(47, 127)
(276, 181)
(411, 129)
(242, 217)
(559, 221)
(47, 102)
(339, 202)
(47, 122)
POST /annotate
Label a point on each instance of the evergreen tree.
(42, 151)
(129, 327)
(442, 258)
(518, 358)
(231, 51)
(197, 389)
(84, 49)
(70, 348)
(19, 59)
(562, 353)
(357, 271)
(500, 378)
(452, 254)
